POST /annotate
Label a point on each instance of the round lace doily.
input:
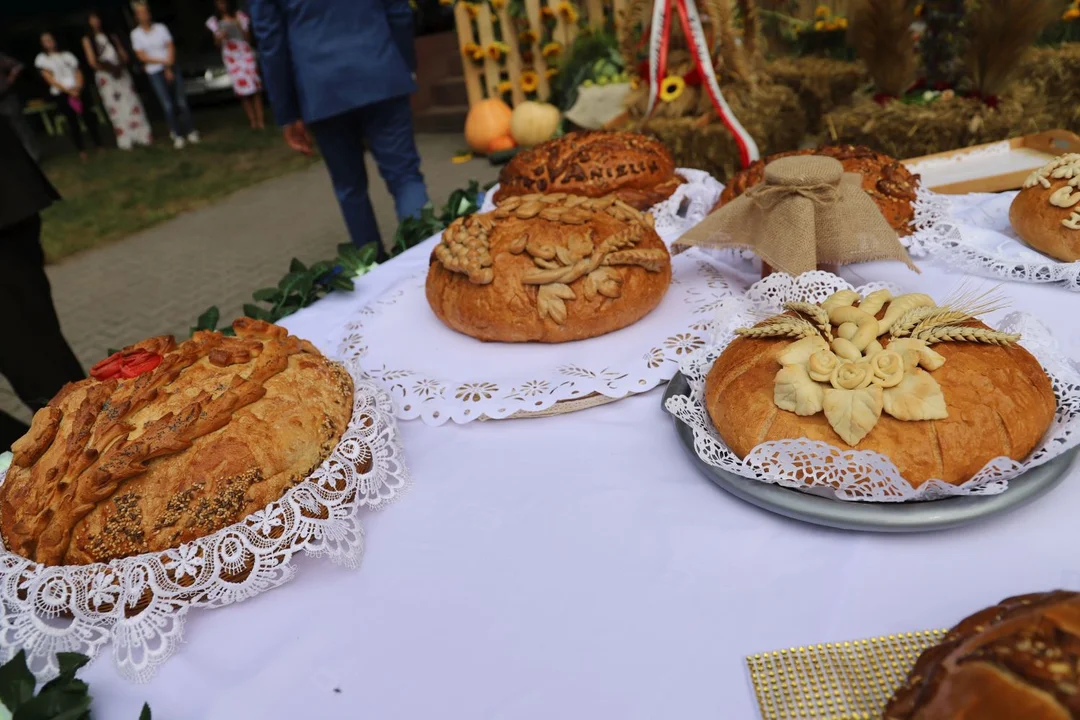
(139, 603)
(972, 233)
(859, 475)
(686, 207)
(437, 374)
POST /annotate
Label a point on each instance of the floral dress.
(121, 102)
(237, 53)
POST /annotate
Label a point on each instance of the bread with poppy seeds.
(212, 430)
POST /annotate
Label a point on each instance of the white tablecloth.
(581, 567)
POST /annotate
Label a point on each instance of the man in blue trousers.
(342, 69)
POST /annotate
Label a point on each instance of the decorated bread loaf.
(636, 168)
(888, 182)
(167, 442)
(1017, 660)
(930, 387)
(548, 268)
(1046, 212)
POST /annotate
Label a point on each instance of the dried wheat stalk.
(781, 326)
(879, 32)
(967, 334)
(999, 33)
(815, 314)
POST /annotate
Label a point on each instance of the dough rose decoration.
(856, 357)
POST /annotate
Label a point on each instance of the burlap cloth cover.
(808, 212)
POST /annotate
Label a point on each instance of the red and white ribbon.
(659, 34)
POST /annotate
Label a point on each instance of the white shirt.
(62, 66)
(154, 42)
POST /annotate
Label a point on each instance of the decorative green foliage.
(65, 697)
(304, 285)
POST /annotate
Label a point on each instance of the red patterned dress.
(237, 53)
(118, 95)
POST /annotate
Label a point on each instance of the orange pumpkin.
(500, 143)
(488, 120)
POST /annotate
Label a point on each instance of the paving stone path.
(159, 280)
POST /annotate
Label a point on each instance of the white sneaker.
(193, 137)
(178, 142)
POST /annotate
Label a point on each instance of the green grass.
(116, 193)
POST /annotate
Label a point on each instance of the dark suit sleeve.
(400, 16)
(272, 36)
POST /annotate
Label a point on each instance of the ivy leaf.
(69, 702)
(287, 283)
(267, 294)
(209, 319)
(228, 332)
(348, 251)
(297, 266)
(304, 284)
(145, 714)
(321, 268)
(257, 313)
(16, 681)
(341, 283)
(109, 352)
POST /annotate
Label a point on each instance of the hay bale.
(1051, 72)
(822, 84)
(906, 131)
(770, 113)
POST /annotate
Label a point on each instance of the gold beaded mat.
(835, 681)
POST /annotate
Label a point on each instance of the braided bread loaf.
(1019, 659)
(636, 168)
(213, 429)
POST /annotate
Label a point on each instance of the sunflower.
(918, 10)
(551, 49)
(830, 26)
(568, 12)
(504, 87)
(472, 51)
(497, 50)
(819, 25)
(473, 9)
(1071, 14)
(821, 12)
(446, 2)
(529, 81)
(551, 72)
(671, 88)
(528, 37)
(498, 4)
(547, 13)
(841, 23)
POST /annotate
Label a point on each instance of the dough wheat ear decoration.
(852, 365)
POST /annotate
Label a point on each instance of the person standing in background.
(232, 33)
(65, 78)
(34, 356)
(153, 45)
(107, 56)
(343, 69)
(11, 108)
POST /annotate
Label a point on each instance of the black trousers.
(34, 356)
(74, 129)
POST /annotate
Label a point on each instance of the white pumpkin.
(533, 122)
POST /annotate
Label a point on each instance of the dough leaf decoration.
(795, 392)
(917, 397)
(853, 413)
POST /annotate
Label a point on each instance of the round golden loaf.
(1046, 212)
(635, 167)
(548, 268)
(978, 401)
(1019, 659)
(216, 429)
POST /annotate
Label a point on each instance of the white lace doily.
(860, 475)
(139, 603)
(437, 374)
(686, 207)
(971, 233)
